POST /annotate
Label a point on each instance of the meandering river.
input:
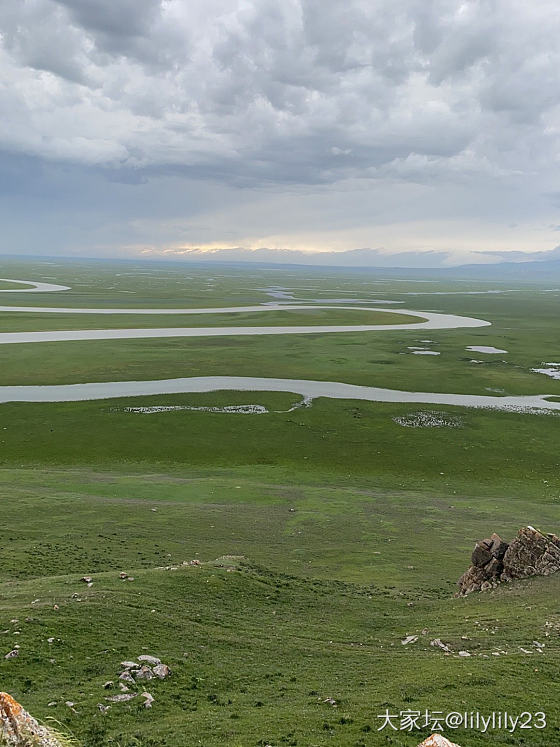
(308, 389)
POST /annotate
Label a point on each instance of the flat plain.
(326, 534)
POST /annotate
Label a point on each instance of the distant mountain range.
(519, 266)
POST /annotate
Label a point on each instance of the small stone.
(149, 699)
(126, 677)
(14, 653)
(129, 665)
(103, 708)
(123, 574)
(145, 673)
(438, 643)
(464, 653)
(153, 661)
(162, 671)
(437, 740)
(56, 607)
(409, 639)
(108, 685)
(86, 579)
(121, 698)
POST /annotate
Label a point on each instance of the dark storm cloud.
(257, 93)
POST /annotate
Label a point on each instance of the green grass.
(250, 649)
(352, 530)
(497, 452)
(31, 322)
(7, 285)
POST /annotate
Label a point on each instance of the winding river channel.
(308, 389)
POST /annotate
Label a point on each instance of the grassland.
(349, 530)
(32, 322)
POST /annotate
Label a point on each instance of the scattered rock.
(122, 697)
(18, 728)
(437, 740)
(129, 665)
(145, 673)
(126, 677)
(531, 553)
(162, 671)
(153, 661)
(438, 643)
(149, 700)
(409, 639)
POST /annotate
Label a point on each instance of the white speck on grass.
(238, 409)
(428, 419)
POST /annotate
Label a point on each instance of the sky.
(391, 132)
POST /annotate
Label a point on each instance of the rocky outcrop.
(530, 553)
(437, 740)
(19, 729)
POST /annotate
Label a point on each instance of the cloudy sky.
(157, 127)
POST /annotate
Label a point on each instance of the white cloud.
(301, 91)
